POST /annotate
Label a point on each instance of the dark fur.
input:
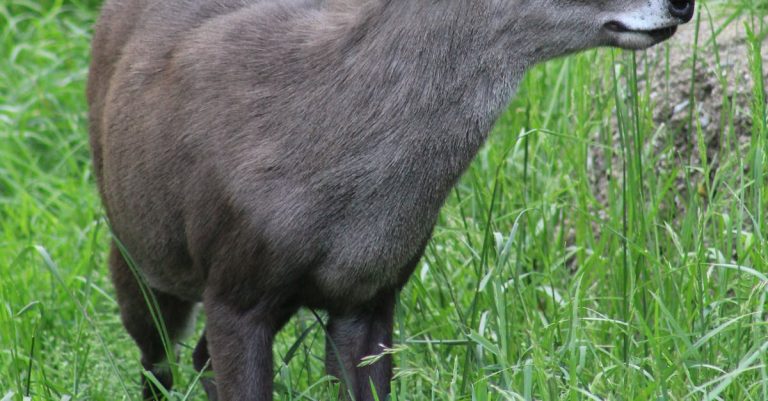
(264, 155)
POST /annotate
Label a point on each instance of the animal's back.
(115, 27)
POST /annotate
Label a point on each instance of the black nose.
(682, 9)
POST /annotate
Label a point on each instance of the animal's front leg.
(240, 345)
(201, 360)
(355, 335)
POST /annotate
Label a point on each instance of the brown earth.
(722, 90)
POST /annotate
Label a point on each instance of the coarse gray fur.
(264, 155)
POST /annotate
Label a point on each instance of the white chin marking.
(635, 40)
(645, 21)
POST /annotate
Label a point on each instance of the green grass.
(539, 284)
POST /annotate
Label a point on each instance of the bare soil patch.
(721, 105)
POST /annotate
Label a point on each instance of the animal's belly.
(365, 262)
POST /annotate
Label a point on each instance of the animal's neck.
(453, 56)
(442, 69)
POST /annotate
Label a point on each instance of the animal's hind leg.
(137, 319)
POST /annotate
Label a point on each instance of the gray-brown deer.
(259, 156)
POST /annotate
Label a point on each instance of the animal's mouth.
(657, 35)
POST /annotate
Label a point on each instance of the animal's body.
(264, 155)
